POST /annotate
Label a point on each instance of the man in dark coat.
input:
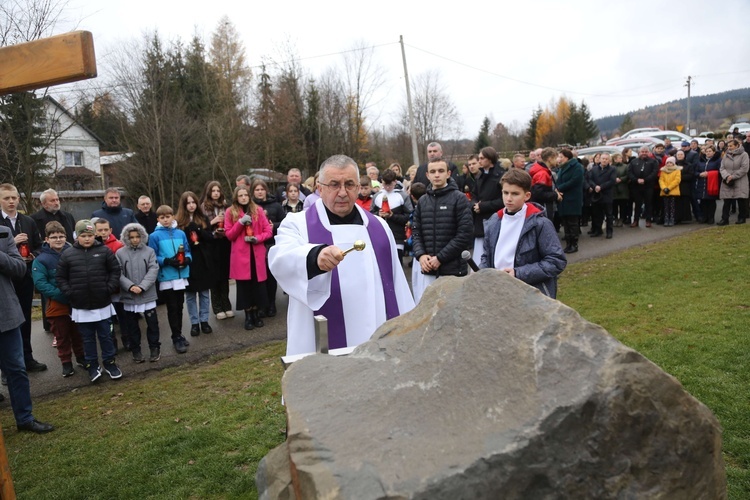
(145, 216)
(51, 211)
(487, 197)
(601, 183)
(642, 172)
(114, 212)
(434, 153)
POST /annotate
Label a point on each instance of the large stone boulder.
(488, 389)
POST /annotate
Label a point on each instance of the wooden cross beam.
(50, 61)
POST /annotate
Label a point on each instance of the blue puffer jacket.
(539, 256)
(166, 241)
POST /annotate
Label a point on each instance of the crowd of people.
(114, 267)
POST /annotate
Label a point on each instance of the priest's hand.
(329, 258)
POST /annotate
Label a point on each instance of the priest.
(356, 292)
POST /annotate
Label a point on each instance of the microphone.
(466, 256)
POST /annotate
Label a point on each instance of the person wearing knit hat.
(84, 226)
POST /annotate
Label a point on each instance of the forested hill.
(707, 112)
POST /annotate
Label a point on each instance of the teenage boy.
(364, 199)
(104, 234)
(28, 242)
(138, 279)
(520, 240)
(88, 274)
(173, 255)
(442, 229)
(43, 270)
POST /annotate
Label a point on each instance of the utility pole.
(414, 149)
(688, 105)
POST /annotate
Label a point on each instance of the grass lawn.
(199, 431)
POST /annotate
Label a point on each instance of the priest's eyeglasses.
(336, 186)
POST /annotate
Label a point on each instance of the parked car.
(629, 141)
(598, 149)
(707, 135)
(632, 133)
(673, 135)
(743, 126)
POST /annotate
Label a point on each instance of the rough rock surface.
(488, 389)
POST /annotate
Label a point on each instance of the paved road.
(229, 335)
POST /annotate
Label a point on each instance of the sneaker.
(230, 314)
(195, 330)
(221, 315)
(54, 342)
(205, 327)
(138, 356)
(155, 354)
(184, 340)
(68, 369)
(95, 373)
(112, 370)
(80, 362)
(179, 346)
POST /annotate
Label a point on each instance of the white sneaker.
(230, 314)
(221, 315)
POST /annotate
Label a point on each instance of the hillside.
(707, 112)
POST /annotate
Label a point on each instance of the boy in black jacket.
(442, 229)
(88, 274)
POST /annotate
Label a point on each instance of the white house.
(73, 151)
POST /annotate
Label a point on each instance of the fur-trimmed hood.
(134, 226)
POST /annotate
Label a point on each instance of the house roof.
(73, 118)
(75, 172)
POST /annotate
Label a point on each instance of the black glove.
(169, 261)
(666, 190)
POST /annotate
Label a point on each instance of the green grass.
(193, 432)
(685, 304)
(199, 431)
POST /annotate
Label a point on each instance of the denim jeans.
(203, 300)
(89, 333)
(13, 366)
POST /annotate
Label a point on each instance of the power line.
(673, 82)
(272, 63)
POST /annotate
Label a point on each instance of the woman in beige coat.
(734, 185)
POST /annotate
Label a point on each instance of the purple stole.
(333, 309)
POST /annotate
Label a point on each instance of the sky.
(495, 59)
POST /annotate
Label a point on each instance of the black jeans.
(572, 227)
(174, 299)
(133, 329)
(642, 195)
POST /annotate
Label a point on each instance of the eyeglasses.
(336, 186)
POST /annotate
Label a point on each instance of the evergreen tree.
(627, 124)
(483, 139)
(589, 126)
(22, 142)
(104, 118)
(531, 129)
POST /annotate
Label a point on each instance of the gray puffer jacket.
(139, 267)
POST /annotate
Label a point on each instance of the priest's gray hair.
(339, 162)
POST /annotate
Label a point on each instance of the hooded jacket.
(139, 267)
(43, 271)
(88, 276)
(539, 258)
(670, 179)
(443, 227)
(166, 242)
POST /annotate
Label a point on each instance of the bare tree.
(363, 78)
(435, 114)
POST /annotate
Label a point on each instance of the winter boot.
(249, 320)
(255, 317)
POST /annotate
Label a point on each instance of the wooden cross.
(42, 63)
(50, 61)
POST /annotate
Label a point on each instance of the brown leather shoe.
(648, 224)
(634, 224)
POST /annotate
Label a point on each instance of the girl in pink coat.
(247, 228)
